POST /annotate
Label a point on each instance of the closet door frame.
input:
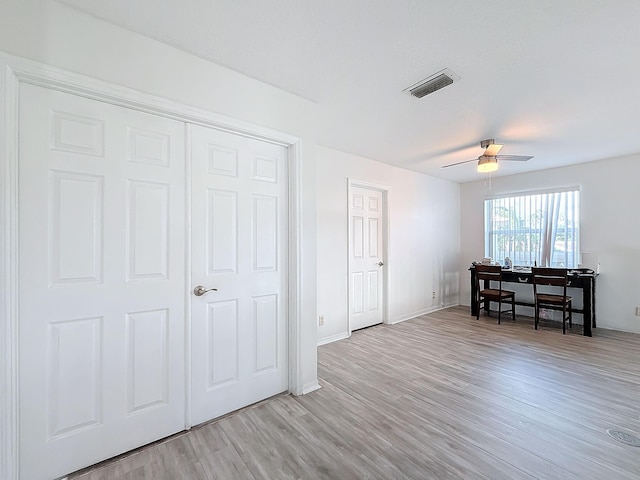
(13, 72)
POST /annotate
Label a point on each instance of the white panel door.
(365, 257)
(101, 289)
(239, 246)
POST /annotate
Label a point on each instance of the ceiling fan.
(488, 161)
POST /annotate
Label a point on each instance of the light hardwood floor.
(442, 396)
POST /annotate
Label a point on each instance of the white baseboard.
(409, 316)
(333, 338)
(310, 387)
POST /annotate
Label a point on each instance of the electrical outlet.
(638, 311)
(321, 321)
(433, 294)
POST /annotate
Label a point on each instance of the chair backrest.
(489, 272)
(550, 276)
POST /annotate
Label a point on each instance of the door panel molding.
(13, 72)
(383, 249)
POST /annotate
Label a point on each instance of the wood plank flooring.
(442, 396)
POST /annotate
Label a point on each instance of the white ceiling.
(556, 79)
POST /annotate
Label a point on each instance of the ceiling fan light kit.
(487, 163)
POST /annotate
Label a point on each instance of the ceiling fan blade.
(517, 158)
(459, 163)
(493, 149)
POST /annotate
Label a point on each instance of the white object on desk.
(590, 260)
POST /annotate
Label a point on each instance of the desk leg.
(587, 301)
(474, 293)
(593, 302)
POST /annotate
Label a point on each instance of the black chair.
(485, 274)
(557, 277)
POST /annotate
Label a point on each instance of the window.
(538, 228)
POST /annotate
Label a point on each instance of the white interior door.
(366, 262)
(101, 281)
(239, 246)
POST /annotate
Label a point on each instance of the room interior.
(554, 81)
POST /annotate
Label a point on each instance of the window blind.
(538, 228)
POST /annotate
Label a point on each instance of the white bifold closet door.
(103, 348)
(101, 280)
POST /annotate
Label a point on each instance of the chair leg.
(513, 308)
(564, 319)
(499, 310)
(535, 317)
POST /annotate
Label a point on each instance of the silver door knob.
(380, 264)
(200, 290)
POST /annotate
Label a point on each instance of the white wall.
(424, 239)
(610, 229)
(53, 34)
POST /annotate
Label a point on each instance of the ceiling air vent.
(433, 83)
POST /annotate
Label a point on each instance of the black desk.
(584, 281)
